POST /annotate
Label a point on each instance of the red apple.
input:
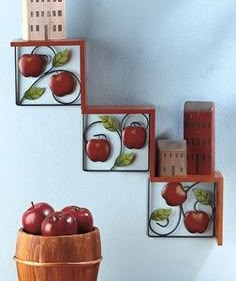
(174, 193)
(98, 149)
(84, 218)
(33, 217)
(62, 84)
(134, 136)
(58, 224)
(196, 221)
(32, 65)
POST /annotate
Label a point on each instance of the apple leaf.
(160, 214)
(125, 159)
(108, 123)
(61, 58)
(34, 93)
(202, 196)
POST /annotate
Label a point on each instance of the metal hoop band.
(50, 264)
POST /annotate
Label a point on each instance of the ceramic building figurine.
(199, 132)
(44, 19)
(172, 158)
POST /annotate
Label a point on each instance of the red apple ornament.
(196, 221)
(58, 224)
(98, 149)
(134, 136)
(174, 193)
(33, 217)
(32, 65)
(62, 84)
(84, 218)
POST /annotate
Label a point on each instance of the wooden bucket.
(58, 258)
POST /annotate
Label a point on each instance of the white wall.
(139, 52)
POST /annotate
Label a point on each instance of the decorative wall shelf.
(122, 139)
(49, 72)
(178, 203)
(118, 138)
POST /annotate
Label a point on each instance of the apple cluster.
(42, 219)
(98, 149)
(175, 195)
(33, 65)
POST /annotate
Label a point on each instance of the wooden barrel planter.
(58, 258)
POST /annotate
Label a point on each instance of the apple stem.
(32, 203)
(135, 124)
(100, 135)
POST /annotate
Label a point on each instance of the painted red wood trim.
(152, 149)
(64, 42)
(83, 75)
(189, 178)
(118, 109)
(219, 210)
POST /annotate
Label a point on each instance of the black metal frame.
(175, 236)
(85, 128)
(17, 94)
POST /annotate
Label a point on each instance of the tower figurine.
(44, 19)
(199, 133)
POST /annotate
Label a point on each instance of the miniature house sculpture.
(199, 133)
(172, 158)
(44, 19)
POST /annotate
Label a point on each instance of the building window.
(164, 154)
(32, 14)
(60, 27)
(176, 155)
(181, 169)
(164, 169)
(42, 0)
(31, 28)
(54, 13)
(31, 1)
(170, 155)
(54, 28)
(37, 14)
(37, 1)
(49, 14)
(42, 13)
(59, 0)
(49, 0)
(37, 27)
(181, 155)
(59, 13)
